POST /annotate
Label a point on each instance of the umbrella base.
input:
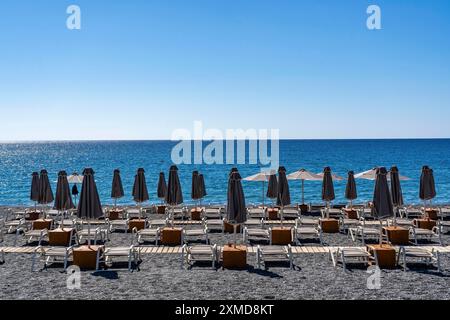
(85, 257)
(234, 257)
(303, 208)
(329, 225)
(33, 215)
(41, 224)
(425, 223)
(161, 209)
(229, 228)
(281, 236)
(196, 214)
(115, 214)
(60, 237)
(397, 235)
(385, 254)
(350, 213)
(171, 236)
(139, 224)
(272, 213)
(431, 214)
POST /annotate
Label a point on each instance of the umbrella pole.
(263, 193)
(281, 215)
(235, 233)
(303, 191)
(89, 233)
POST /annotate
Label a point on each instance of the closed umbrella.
(116, 187)
(427, 190)
(195, 187)
(174, 193)
(327, 188)
(236, 210)
(162, 187)
(303, 175)
(272, 188)
(45, 189)
(140, 192)
(89, 206)
(284, 196)
(350, 188)
(201, 182)
(382, 201)
(260, 177)
(396, 189)
(34, 192)
(63, 198)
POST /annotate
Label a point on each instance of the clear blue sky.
(139, 69)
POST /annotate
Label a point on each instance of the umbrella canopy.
(327, 185)
(350, 188)
(382, 201)
(236, 210)
(116, 187)
(45, 189)
(195, 187)
(63, 199)
(201, 181)
(303, 175)
(272, 188)
(140, 192)
(174, 194)
(89, 206)
(284, 197)
(260, 177)
(396, 189)
(34, 192)
(427, 190)
(372, 175)
(162, 186)
(74, 190)
(334, 176)
(75, 178)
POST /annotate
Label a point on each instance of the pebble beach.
(160, 276)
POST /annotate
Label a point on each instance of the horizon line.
(165, 140)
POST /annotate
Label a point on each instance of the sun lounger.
(425, 234)
(290, 213)
(417, 253)
(332, 212)
(119, 224)
(353, 255)
(255, 229)
(366, 231)
(131, 253)
(13, 225)
(411, 213)
(51, 254)
(196, 232)
(345, 224)
(202, 253)
(256, 213)
(152, 231)
(266, 254)
(306, 231)
(31, 235)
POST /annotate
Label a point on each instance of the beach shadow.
(264, 272)
(107, 274)
(202, 265)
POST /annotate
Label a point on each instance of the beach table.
(397, 235)
(425, 223)
(272, 213)
(350, 213)
(196, 214)
(60, 237)
(115, 214)
(85, 257)
(41, 224)
(171, 236)
(139, 224)
(161, 209)
(229, 228)
(431, 214)
(234, 256)
(281, 235)
(329, 225)
(385, 254)
(303, 208)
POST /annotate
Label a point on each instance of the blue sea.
(19, 160)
